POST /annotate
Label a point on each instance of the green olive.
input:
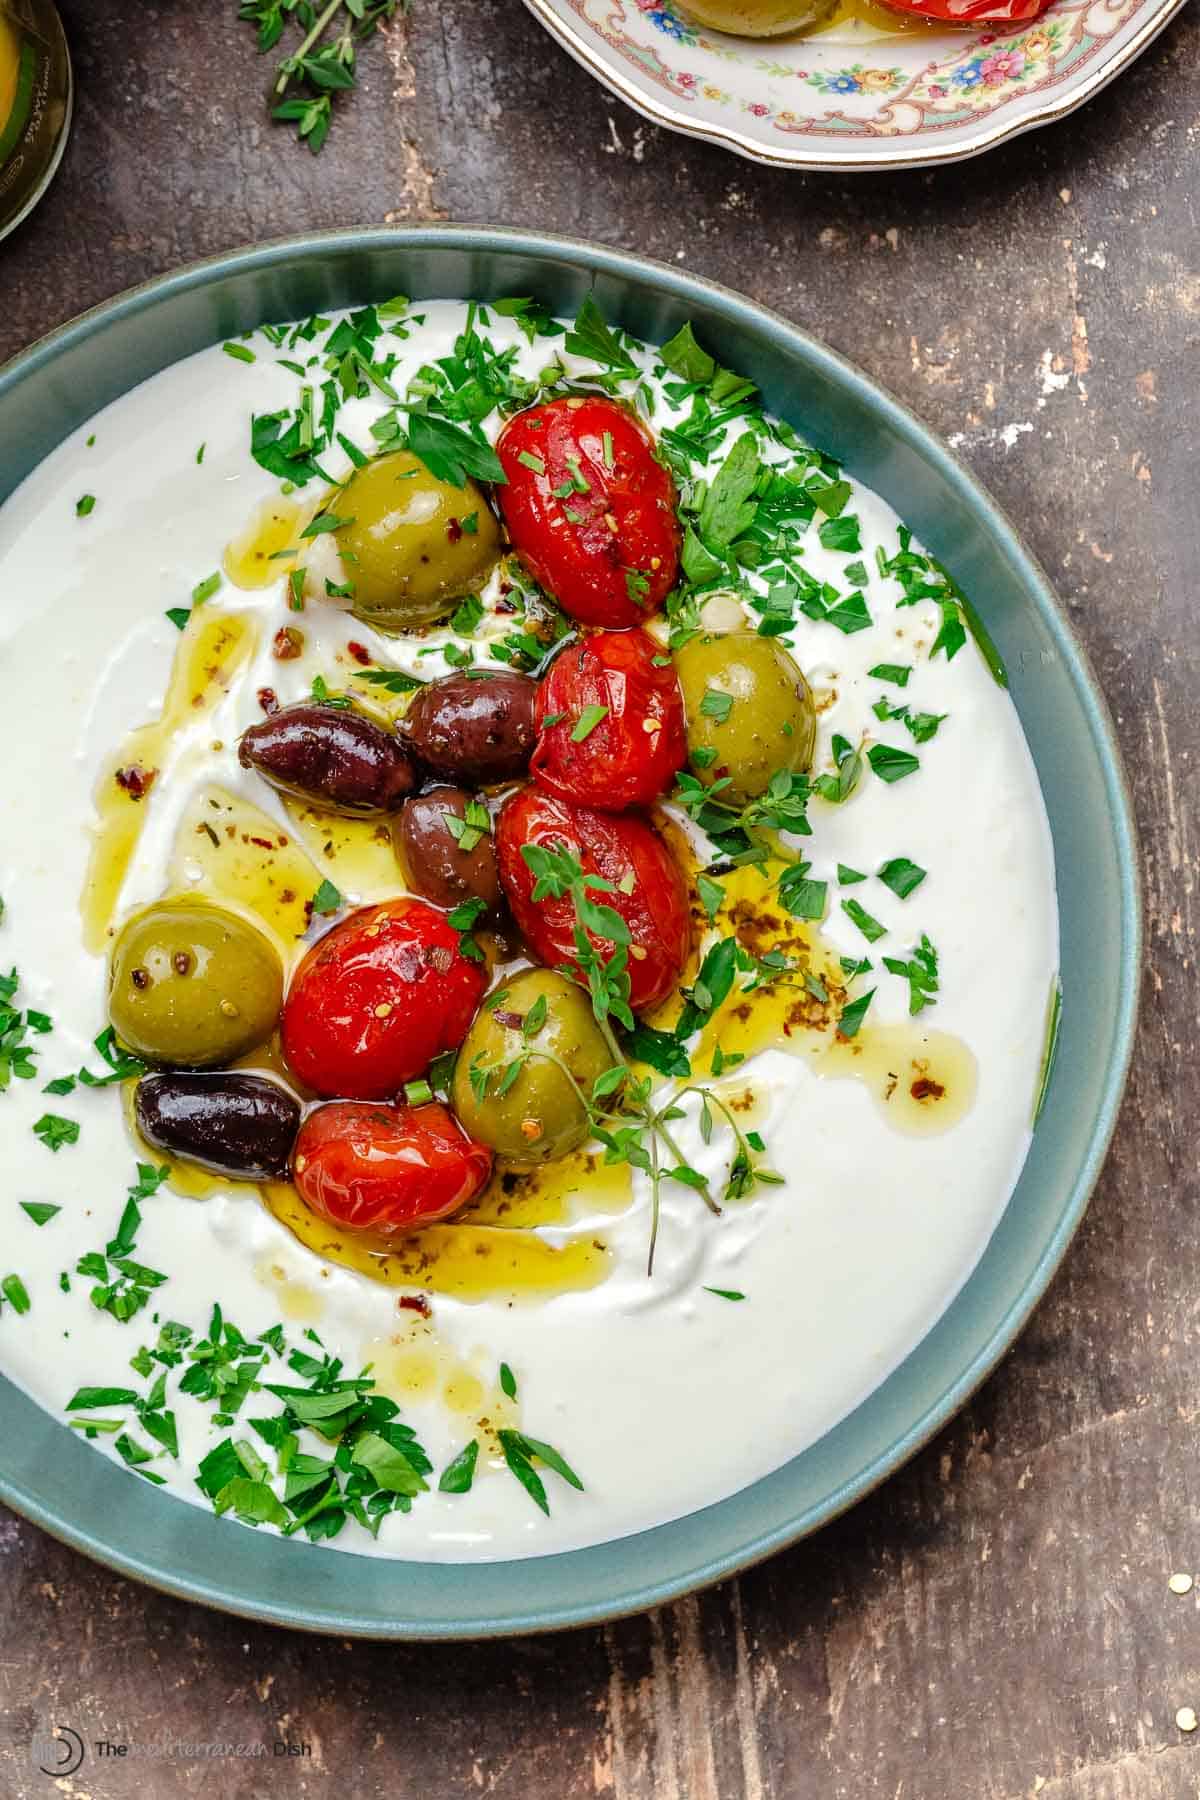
(192, 985)
(540, 1117)
(412, 545)
(749, 711)
(757, 18)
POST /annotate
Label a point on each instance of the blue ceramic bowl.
(62, 1484)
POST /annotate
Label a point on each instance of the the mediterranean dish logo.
(59, 1750)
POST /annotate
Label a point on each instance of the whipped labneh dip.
(881, 1048)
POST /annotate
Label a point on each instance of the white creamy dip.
(664, 1396)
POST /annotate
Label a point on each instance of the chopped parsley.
(55, 1131)
(391, 681)
(1049, 1047)
(327, 899)
(840, 533)
(124, 1285)
(921, 973)
(14, 1291)
(587, 722)
(521, 1452)
(204, 590)
(866, 922)
(459, 1474)
(463, 919)
(469, 831)
(716, 705)
(17, 1055)
(838, 787)
(40, 1211)
(853, 1014)
(591, 338)
(891, 764)
(901, 875)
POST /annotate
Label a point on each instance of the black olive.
(239, 1125)
(333, 756)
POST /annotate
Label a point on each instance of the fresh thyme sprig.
(321, 65)
(625, 1114)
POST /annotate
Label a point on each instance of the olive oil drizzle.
(214, 650)
(269, 545)
(473, 1256)
(866, 21)
(922, 1080)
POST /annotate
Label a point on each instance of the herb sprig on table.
(322, 62)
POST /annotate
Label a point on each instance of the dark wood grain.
(995, 1623)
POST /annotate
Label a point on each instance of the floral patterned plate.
(864, 90)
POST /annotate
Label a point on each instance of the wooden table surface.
(996, 1621)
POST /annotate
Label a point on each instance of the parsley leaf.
(450, 453)
(866, 922)
(55, 1131)
(891, 764)
(902, 876)
(921, 973)
(853, 1013)
(457, 1476)
(592, 339)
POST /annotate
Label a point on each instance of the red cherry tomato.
(386, 1168)
(624, 850)
(974, 12)
(629, 754)
(589, 508)
(377, 999)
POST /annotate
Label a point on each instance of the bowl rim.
(638, 1596)
(1001, 131)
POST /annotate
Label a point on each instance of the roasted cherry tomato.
(973, 12)
(648, 888)
(590, 509)
(611, 726)
(386, 1168)
(377, 999)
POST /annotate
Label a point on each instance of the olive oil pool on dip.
(531, 924)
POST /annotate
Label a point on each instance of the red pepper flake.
(512, 1021)
(358, 651)
(454, 530)
(287, 644)
(268, 699)
(924, 1088)
(413, 1302)
(505, 606)
(136, 781)
(263, 843)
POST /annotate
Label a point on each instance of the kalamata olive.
(442, 862)
(239, 1125)
(474, 728)
(331, 755)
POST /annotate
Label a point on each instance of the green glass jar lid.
(35, 104)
